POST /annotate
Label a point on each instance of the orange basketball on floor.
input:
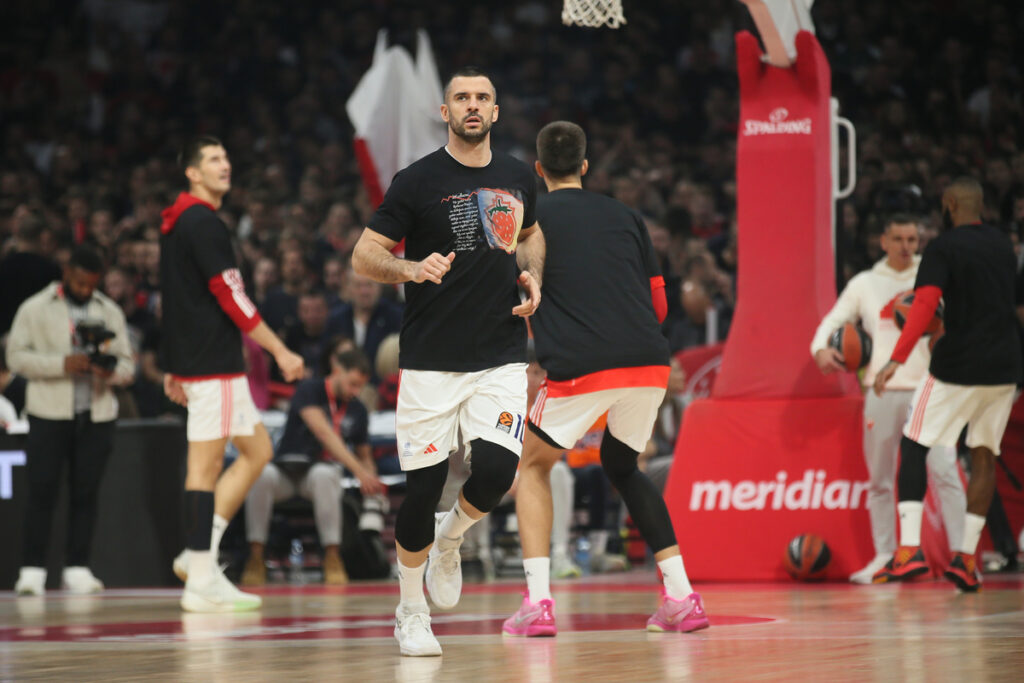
(901, 309)
(806, 557)
(854, 343)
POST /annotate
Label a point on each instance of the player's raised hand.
(433, 267)
(532, 289)
(291, 365)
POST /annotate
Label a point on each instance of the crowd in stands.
(97, 95)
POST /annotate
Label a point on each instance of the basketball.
(901, 309)
(854, 344)
(806, 557)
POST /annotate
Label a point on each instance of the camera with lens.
(92, 335)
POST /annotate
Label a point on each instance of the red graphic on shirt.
(503, 219)
(887, 311)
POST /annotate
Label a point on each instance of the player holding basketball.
(974, 371)
(869, 297)
(205, 310)
(598, 337)
(467, 216)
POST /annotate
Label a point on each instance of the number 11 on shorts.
(520, 424)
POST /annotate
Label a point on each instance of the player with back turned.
(974, 371)
(598, 336)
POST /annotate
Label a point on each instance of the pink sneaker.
(533, 619)
(679, 615)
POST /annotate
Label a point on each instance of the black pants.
(86, 447)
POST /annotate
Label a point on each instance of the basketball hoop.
(593, 13)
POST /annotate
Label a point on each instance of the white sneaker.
(412, 630)
(180, 565)
(31, 581)
(866, 574)
(564, 568)
(217, 595)
(80, 580)
(444, 569)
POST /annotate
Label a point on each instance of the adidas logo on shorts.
(430, 449)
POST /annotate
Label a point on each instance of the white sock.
(973, 524)
(598, 542)
(538, 578)
(410, 584)
(673, 573)
(454, 525)
(910, 521)
(201, 564)
(219, 526)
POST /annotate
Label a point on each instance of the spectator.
(309, 335)
(24, 271)
(326, 430)
(280, 307)
(368, 319)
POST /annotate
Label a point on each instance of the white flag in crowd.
(395, 110)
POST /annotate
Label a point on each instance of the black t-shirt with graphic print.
(596, 313)
(975, 267)
(297, 438)
(436, 204)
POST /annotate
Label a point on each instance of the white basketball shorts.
(939, 411)
(632, 412)
(219, 408)
(437, 410)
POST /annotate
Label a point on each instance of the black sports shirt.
(436, 204)
(975, 267)
(596, 313)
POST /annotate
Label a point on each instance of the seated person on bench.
(326, 431)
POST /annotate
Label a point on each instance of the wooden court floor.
(759, 632)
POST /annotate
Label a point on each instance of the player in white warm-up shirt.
(869, 297)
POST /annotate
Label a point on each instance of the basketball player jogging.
(599, 338)
(972, 378)
(466, 213)
(205, 310)
(869, 297)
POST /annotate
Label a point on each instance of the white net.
(593, 13)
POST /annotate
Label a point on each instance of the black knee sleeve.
(912, 480)
(414, 525)
(642, 498)
(492, 471)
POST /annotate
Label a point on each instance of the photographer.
(70, 342)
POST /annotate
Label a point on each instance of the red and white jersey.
(205, 307)
(869, 297)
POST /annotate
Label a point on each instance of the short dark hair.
(353, 359)
(898, 219)
(192, 151)
(468, 71)
(561, 148)
(86, 258)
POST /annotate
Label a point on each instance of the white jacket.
(868, 297)
(40, 339)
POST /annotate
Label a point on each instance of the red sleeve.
(658, 298)
(230, 292)
(926, 300)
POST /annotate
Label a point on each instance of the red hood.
(173, 212)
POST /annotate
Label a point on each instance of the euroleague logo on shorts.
(505, 422)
